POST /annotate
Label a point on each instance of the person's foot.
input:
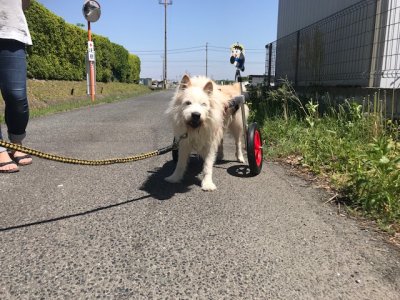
(21, 158)
(7, 165)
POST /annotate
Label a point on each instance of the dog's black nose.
(196, 116)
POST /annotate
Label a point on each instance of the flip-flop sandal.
(17, 159)
(11, 170)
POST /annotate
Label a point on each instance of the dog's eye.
(188, 103)
(204, 104)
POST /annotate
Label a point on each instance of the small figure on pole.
(252, 134)
(237, 56)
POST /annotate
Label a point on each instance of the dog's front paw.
(208, 185)
(173, 179)
(240, 157)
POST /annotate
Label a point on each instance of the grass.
(350, 144)
(46, 96)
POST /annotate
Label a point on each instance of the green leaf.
(384, 160)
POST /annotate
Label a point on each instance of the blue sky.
(138, 25)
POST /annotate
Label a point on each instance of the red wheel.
(254, 149)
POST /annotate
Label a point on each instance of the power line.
(206, 58)
(202, 61)
(194, 48)
(170, 53)
(177, 49)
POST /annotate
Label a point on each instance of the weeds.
(351, 143)
(374, 179)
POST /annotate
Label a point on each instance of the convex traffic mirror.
(91, 10)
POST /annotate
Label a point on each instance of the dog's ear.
(185, 82)
(208, 88)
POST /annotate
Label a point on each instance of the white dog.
(200, 109)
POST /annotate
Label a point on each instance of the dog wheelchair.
(252, 135)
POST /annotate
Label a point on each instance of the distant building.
(339, 43)
(255, 80)
(146, 81)
(298, 14)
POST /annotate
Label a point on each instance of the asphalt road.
(121, 232)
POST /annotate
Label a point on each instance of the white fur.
(200, 98)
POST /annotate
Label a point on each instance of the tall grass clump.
(352, 144)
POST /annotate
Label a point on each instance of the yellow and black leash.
(101, 162)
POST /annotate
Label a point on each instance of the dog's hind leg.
(220, 153)
(239, 153)
(183, 157)
(237, 132)
(236, 129)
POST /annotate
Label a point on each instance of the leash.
(102, 162)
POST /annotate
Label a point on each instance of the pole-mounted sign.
(91, 11)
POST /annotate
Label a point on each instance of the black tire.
(254, 149)
(175, 153)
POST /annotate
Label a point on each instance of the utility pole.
(268, 72)
(206, 59)
(165, 3)
(163, 69)
(266, 59)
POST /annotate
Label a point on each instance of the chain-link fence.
(358, 46)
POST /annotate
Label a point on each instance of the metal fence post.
(269, 64)
(296, 79)
(375, 44)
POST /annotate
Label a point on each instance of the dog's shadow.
(242, 171)
(160, 189)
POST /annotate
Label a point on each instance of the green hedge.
(59, 51)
